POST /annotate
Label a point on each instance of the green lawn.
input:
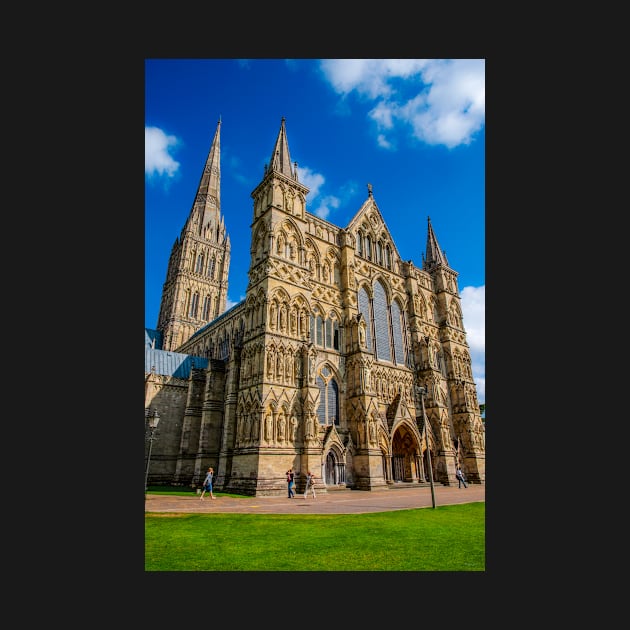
(447, 538)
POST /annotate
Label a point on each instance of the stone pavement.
(333, 502)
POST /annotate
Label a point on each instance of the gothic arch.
(290, 228)
(259, 241)
(405, 451)
(385, 283)
(312, 257)
(364, 284)
(280, 294)
(333, 459)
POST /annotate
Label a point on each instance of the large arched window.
(398, 325)
(328, 409)
(381, 323)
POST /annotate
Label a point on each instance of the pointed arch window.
(194, 305)
(206, 308)
(381, 323)
(199, 265)
(360, 243)
(398, 325)
(332, 408)
(325, 333)
(328, 409)
(321, 409)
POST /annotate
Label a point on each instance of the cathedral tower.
(444, 364)
(195, 290)
(275, 416)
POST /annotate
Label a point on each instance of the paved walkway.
(334, 502)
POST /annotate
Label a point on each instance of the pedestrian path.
(334, 502)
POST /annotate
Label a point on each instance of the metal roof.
(152, 339)
(171, 363)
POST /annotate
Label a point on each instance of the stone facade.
(327, 362)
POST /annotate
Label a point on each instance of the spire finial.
(369, 186)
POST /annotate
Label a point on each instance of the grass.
(447, 538)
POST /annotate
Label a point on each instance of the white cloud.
(369, 77)
(325, 205)
(157, 159)
(474, 311)
(313, 181)
(382, 141)
(441, 100)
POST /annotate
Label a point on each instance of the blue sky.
(413, 128)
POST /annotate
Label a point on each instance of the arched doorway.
(405, 464)
(334, 469)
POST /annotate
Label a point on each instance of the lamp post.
(423, 391)
(154, 419)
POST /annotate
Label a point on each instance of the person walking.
(460, 478)
(290, 482)
(207, 484)
(310, 484)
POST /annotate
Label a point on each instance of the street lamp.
(154, 418)
(423, 392)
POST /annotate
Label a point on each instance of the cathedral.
(342, 359)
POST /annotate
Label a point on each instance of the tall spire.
(204, 241)
(434, 256)
(206, 209)
(280, 158)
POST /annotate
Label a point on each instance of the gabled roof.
(370, 213)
